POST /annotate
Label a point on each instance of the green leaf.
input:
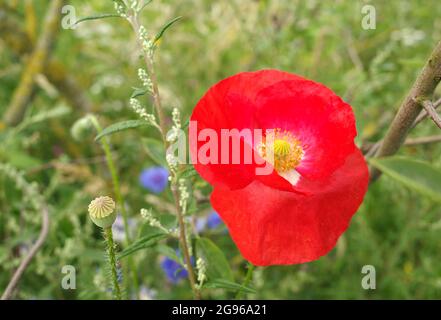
(186, 124)
(164, 29)
(418, 175)
(155, 150)
(120, 126)
(228, 285)
(145, 5)
(138, 92)
(98, 16)
(187, 173)
(217, 263)
(20, 159)
(143, 243)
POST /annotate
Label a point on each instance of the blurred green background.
(94, 70)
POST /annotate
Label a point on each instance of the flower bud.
(102, 211)
(81, 129)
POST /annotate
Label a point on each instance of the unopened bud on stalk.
(82, 128)
(102, 211)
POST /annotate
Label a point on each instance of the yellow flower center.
(281, 149)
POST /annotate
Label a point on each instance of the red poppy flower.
(318, 177)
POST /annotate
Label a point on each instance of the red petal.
(271, 227)
(230, 105)
(323, 123)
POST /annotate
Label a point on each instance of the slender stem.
(247, 280)
(409, 110)
(430, 109)
(184, 245)
(422, 140)
(111, 258)
(423, 114)
(163, 128)
(119, 198)
(27, 260)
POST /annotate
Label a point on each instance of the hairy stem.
(409, 110)
(119, 198)
(111, 258)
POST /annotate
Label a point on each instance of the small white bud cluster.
(134, 4)
(120, 10)
(172, 163)
(174, 132)
(176, 116)
(183, 195)
(152, 221)
(201, 267)
(142, 113)
(147, 45)
(145, 79)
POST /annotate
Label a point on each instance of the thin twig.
(423, 114)
(423, 87)
(370, 148)
(27, 260)
(430, 109)
(422, 140)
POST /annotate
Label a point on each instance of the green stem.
(163, 126)
(108, 236)
(119, 198)
(247, 280)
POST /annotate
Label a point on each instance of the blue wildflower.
(154, 179)
(174, 270)
(213, 220)
(200, 224)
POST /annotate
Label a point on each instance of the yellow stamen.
(282, 149)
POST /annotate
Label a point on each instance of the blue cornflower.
(174, 270)
(154, 179)
(213, 220)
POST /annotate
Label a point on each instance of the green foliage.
(96, 17)
(142, 243)
(217, 264)
(228, 285)
(418, 175)
(121, 126)
(395, 229)
(164, 29)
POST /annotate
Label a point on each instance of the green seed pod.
(102, 211)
